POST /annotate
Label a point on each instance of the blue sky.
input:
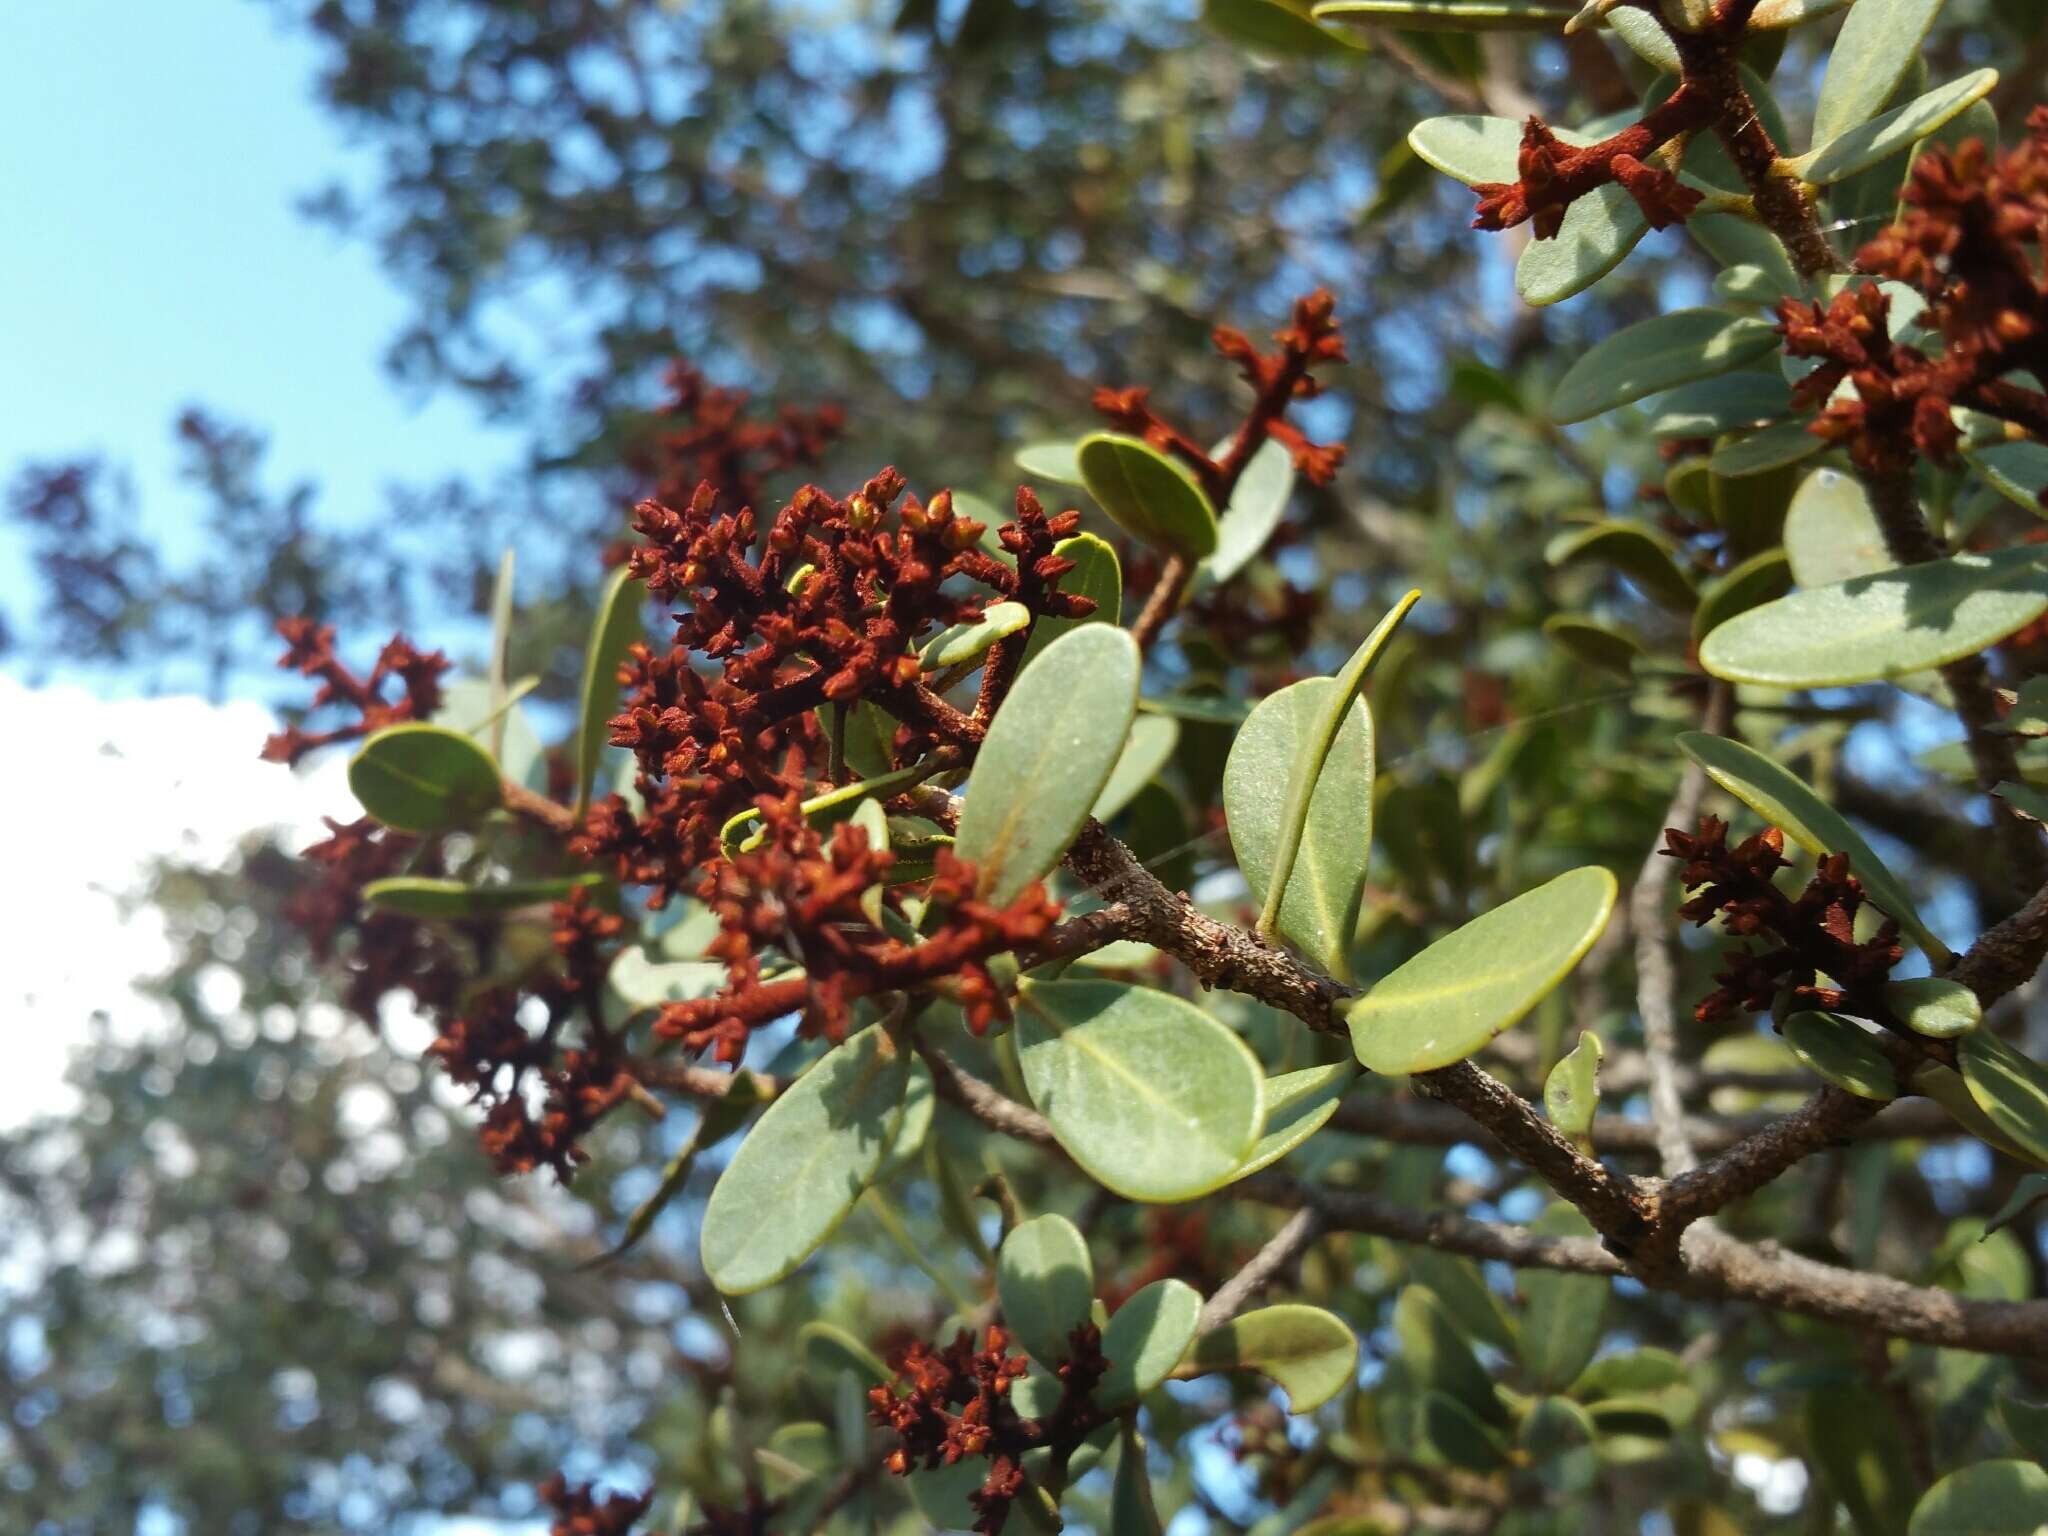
(151, 256)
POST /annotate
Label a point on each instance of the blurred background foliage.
(262, 1279)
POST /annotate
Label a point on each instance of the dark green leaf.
(1658, 354)
(1992, 1498)
(1840, 1051)
(1434, 1352)
(1757, 580)
(1558, 1436)
(617, 626)
(1097, 575)
(1151, 497)
(1563, 1315)
(1861, 1459)
(1644, 556)
(1452, 15)
(1145, 1340)
(1045, 1282)
(415, 896)
(1146, 753)
(424, 778)
(1899, 129)
(1595, 644)
(2009, 1087)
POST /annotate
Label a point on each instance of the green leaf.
(1861, 1459)
(963, 642)
(1595, 644)
(1759, 579)
(1571, 1093)
(1304, 779)
(1559, 1437)
(2026, 1422)
(1047, 755)
(1639, 553)
(1275, 28)
(1934, 1006)
(742, 833)
(830, 1352)
(1130, 1497)
(1992, 1498)
(1298, 1104)
(1599, 230)
(1320, 910)
(1053, 459)
(1785, 800)
(1465, 1295)
(1643, 1381)
(804, 1164)
(615, 629)
(1563, 1315)
(1149, 496)
(1146, 753)
(415, 896)
(1840, 1051)
(1145, 1340)
(2025, 799)
(1309, 1352)
(1707, 407)
(1658, 354)
(501, 644)
(1451, 15)
(1646, 38)
(424, 778)
(2029, 1192)
(1456, 1434)
(1899, 129)
(1772, 447)
(1435, 1354)
(1450, 1000)
(643, 983)
(1152, 1097)
(1876, 46)
(1875, 627)
(1946, 1087)
(1096, 574)
(2009, 1087)
(1257, 503)
(1045, 1282)
(2016, 470)
(1830, 532)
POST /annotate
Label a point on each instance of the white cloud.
(97, 792)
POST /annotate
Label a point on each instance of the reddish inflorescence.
(1802, 938)
(1971, 242)
(1552, 175)
(802, 895)
(707, 436)
(579, 1511)
(953, 1404)
(309, 650)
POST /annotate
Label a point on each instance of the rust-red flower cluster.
(1801, 939)
(805, 897)
(1971, 241)
(952, 1404)
(309, 650)
(579, 1511)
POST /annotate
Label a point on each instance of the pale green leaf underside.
(1145, 1340)
(1309, 1352)
(1448, 1001)
(1876, 46)
(1319, 911)
(1830, 532)
(1047, 755)
(1897, 130)
(1298, 1104)
(1873, 628)
(1659, 354)
(1151, 1096)
(804, 1164)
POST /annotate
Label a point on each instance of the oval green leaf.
(1146, 753)
(1934, 1006)
(1298, 1104)
(1768, 448)
(1435, 1355)
(1151, 1096)
(1045, 1282)
(1319, 911)
(1478, 150)
(1871, 628)
(1096, 574)
(1831, 534)
(1563, 1315)
(963, 642)
(1894, 132)
(1707, 407)
(1571, 1093)
(1840, 1051)
(1992, 1498)
(1876, 46)
(415, 896)
(1786, 801)
(1657, 354)
(614, 630)
(2009, 1087)
(806, 1161)
(1448, 1001)
(1599, 230)
(1595, 644)
(1145, 1340)
(1257, 504)
(424, 778)
(1149, 496)
(1051, 459)
(1647, 558)
(1759, 579)
(1309, 1352)
(1047, 755)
